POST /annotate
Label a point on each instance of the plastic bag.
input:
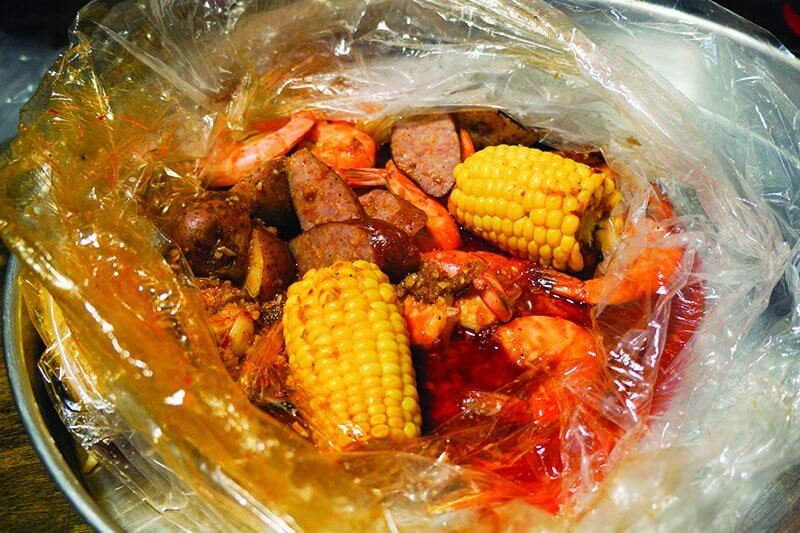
(113, 142)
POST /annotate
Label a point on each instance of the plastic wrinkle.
(688, 411)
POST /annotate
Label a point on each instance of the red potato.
(427, 149)
(389, 207)
(368, 239)
(265, 191)
(213, 233)
(319, 195)
(490, 127)
(270, 265)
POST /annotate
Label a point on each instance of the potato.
(213, 232)
(265, 191)
(270, 265)
(241, 335)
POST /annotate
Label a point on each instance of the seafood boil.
(436, 291)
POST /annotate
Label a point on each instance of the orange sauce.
(450, 376)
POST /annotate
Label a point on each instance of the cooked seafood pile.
(332, 266)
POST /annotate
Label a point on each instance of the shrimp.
(545, 431)
(467, 146)
(265, 368)
(238, 159)
(477, 266)
(650, 273)
(341, 145)
(569, 355)
(440, 223)
(429, 323)
(431, 307)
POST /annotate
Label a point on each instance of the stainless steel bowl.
(48, 435)
(672, 58)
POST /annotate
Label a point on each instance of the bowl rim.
(43, 443)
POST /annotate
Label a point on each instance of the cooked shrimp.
(569, 354)
(473, 313)
(456, 263)
(269, 125)
(650, 273)
(265, 369)
(234, 162)
(429, 323)
(341, 145)
(440, 223)
(467, 146)
(431, 306)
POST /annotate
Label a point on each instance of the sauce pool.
(449, 375)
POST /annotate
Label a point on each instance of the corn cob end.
(535, 205)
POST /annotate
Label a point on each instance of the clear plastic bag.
(113, 143)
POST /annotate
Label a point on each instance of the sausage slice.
(426, 147)
(319, 195)
(490, 127)
(368, 239)
(383, 205)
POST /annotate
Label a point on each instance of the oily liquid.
(450, 376)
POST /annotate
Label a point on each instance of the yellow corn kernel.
(518, 227)
(559, 255)
(553, 237)
(539, 217)
(568, 243)
(536, 205)
(350, 358)
(540, 236)
(569, 205)
(553, 201)
(554, 219)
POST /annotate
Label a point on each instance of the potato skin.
(213, 232)
(271, 267)
(265, 191)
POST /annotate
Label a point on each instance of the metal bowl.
(108, 510)
(48, 435)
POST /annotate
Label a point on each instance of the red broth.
(449, 376)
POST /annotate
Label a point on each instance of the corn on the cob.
(534, 204)
(349, 353)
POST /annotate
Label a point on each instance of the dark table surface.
(30, 500)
